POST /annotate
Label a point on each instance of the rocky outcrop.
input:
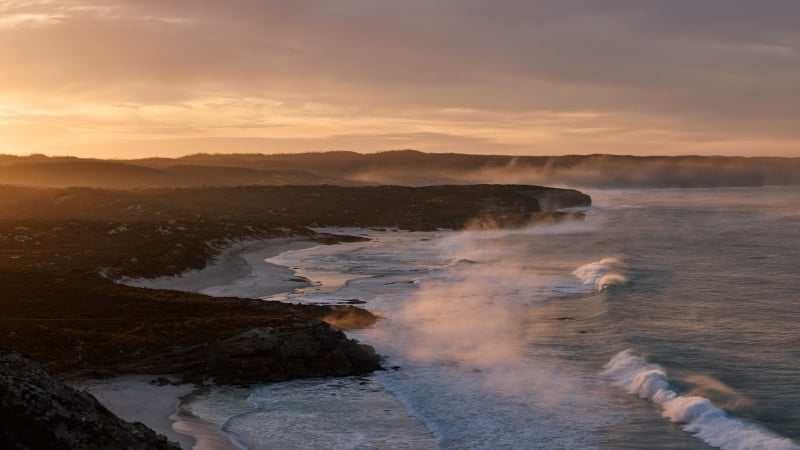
(266, 354)
(38, 412)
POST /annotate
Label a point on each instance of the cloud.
(676, 74)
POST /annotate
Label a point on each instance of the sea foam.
(699, 415)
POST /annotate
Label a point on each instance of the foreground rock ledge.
(38, 412)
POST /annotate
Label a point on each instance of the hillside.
(66, 172)
(405, 167)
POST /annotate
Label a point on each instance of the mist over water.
(592, 172)
(667, 319)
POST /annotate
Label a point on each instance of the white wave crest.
(601, 274)
(699, 415)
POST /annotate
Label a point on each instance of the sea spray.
(549, 395)
(477, 307)
(458, 329)
(458, 318)
(482, 244)
(699, 415)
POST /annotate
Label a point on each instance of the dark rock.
(267, 354)
(353, 301)
(38, 412)
(331, 239)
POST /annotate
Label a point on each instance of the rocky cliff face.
(38, 412)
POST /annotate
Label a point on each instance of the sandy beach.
(238, 271)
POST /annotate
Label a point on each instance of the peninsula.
(62, 251)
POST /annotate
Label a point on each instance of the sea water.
(666, 319)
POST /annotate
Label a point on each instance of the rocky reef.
(38, 412)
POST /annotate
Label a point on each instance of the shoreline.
(206, 435)
(240, 270)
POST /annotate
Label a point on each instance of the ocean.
(667, 319)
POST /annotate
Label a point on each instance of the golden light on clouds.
(109, 78)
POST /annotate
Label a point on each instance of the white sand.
(134, 399)
(239, 271)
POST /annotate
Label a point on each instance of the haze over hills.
(66, 172)
(402, 167)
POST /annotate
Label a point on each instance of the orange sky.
(122, 79)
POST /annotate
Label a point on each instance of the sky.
(127, 79)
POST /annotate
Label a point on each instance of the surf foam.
(699, 415)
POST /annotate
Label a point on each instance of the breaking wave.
(699, 415)
(602, 274)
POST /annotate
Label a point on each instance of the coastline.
(238, 271)
(206, 435)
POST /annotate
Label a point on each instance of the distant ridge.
(70, 172)
(402, 167)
